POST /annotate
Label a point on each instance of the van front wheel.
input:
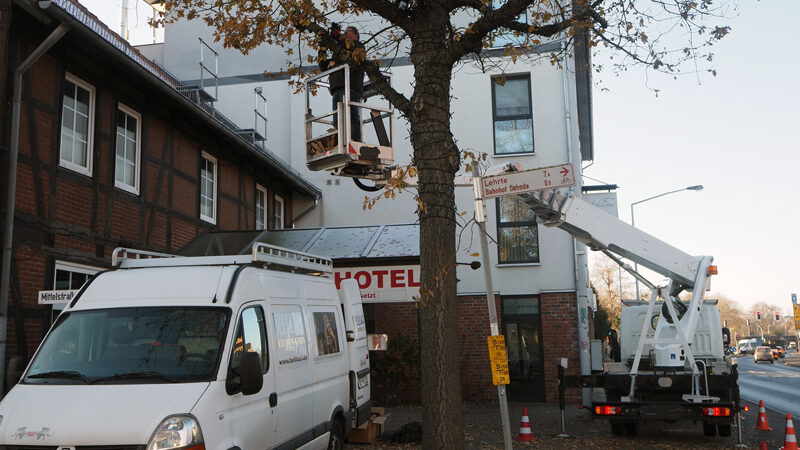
(337, 435)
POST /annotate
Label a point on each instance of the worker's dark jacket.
(336, 79)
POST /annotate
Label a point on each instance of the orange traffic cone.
(762, 424)
(790, 443)
(763, 446)
(525, 427)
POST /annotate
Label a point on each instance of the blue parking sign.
(794, 299)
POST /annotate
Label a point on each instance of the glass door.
(523, 334)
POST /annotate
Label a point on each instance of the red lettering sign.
(411, 282)
(379, 274)
(367, 279)
(397, 278)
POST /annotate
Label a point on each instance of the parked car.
(792, 345)
(763, 354)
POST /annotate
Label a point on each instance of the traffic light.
(777, 316)
(758, 315)
(737, 336)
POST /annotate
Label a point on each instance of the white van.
(212, 353)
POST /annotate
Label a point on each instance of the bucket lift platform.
(330, 147)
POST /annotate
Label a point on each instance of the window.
(77, 125)
(517, 234)
(512, 113)
(278, 208)
(70, 277)
(208, 188)
(251, 336)
(261, 207)
(327, 333)
(503, 36)
(126, 169)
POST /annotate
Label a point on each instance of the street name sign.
(514, 183)
(57, 297)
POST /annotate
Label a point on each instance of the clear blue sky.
(735, 133)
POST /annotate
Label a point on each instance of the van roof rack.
(268, 255)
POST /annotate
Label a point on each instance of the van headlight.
(177, 432)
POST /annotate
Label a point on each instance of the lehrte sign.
(56, 297)
(382, 284)
(528, 181)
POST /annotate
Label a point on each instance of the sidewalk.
(483, 430)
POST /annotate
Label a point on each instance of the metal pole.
(11, 189)
(480, 219)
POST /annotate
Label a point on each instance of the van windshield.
(132, 345)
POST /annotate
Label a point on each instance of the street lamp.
(633, 222)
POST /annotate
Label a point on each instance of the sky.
(736, 134)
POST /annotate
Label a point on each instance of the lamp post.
(633, 222)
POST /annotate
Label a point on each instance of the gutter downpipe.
(12, 185)
(580, 259)
(305, 211)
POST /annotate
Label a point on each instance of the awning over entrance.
(346, 246)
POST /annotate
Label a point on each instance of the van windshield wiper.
(68, 374)
(136, 376)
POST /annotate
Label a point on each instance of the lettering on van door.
(291, 336)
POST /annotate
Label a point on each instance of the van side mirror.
(250, 373)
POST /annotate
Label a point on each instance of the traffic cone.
(525, 427)
(790, 443)
(763, 446)
(762, 423)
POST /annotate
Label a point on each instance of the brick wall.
(560, 337)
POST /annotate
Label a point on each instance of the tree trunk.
(437, 159)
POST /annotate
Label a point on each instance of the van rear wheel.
(337, 435)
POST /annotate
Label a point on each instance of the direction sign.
(528, 181)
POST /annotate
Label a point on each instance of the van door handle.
(273, 399)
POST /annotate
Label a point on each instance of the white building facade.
(539, 273)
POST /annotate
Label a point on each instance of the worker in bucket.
(350, 41)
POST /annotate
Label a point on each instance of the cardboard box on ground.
(369, 430)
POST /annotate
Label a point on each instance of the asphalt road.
(777, 384)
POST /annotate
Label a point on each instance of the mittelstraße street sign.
(528, 181)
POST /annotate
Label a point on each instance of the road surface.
(777, 384)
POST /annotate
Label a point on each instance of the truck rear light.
(608, 410)
(717, 412)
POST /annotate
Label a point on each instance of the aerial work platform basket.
(329, 145)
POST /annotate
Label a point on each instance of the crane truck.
(671, 363)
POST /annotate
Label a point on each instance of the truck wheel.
(724, 430)
(632, 427)
(709, 429)
(337, 435)
(617, 428)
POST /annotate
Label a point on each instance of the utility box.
(596, 350)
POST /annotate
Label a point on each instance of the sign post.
(480, 219)
(510, 183)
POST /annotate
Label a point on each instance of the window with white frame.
(126, 167)
(208, 188)
(70, 277)
(512, 114)
(278, 212)
(77, 125)
(517, 233)
(261, 207)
